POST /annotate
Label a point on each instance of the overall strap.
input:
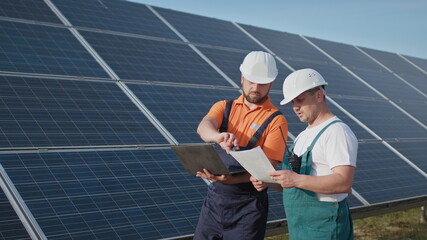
(257, 135)
(320, 133)
(224, 124)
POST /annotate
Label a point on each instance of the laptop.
(210, 156)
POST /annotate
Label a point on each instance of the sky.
(397, 26)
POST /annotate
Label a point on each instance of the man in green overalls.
(319, 167)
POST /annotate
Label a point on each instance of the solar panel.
(373, 73)
(10, 225)
(413, 150)
(418, 82)
(381, 176)
(90, 155)
(120, 16)
(294, 48)
(180, 108)
(210, 31)
(394, 62)
(31, 48)
(39, 112)
(27, 9)
(107, 194)
(348, 55)
(149, 60)
(383, 118)
(419, 62)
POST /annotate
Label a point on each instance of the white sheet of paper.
(255, 162)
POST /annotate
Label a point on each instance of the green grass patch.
(403, 225)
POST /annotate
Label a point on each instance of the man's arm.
(226, 179)
(340, 181)
(208, 131)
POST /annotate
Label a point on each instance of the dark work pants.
(230, 215)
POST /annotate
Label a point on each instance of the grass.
(403, 225)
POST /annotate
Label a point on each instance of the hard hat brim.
(259, 80)
(284, 101)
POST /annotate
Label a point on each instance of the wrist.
(299, 180)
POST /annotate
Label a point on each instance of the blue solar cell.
(11, 227)
(394, 62)
(421, 63)
(137, 194)
(287, 46)
(383, 118)
(415, 151)
(418, 82)
(360, 132)
(33, 48)
(198, 29)
(389, 85)
(348, 55)
(353, 201)
(48, 112)
(120, 16)
(180, 108)
(413, 108)
(381, 176)
(142, 59)
(27, 9)
(372, 72)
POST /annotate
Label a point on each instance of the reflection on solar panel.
(149, 60)
(112, 15)
(396, 180)
(31, 48)
(107, 194)
(418, 63)
(209, 31)
(27, 9)
(10, 225)
(88, 151)
(48, 112)
(180, 108)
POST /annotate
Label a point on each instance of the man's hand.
(209, 176)
(285, 178)
(227, 141)
(208, 131)
(258, 184)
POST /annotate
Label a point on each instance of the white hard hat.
(299, 82)
(259, 67)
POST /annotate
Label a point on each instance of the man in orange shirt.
(233, 208)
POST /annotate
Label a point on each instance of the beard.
(255, 100)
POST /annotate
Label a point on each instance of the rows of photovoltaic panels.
(71, 133)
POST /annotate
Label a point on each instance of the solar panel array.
(93, 94)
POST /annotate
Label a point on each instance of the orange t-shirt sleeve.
(274, 144)
(217, 111)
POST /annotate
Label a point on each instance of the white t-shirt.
(337, 146)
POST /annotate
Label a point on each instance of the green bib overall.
(308, 218)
